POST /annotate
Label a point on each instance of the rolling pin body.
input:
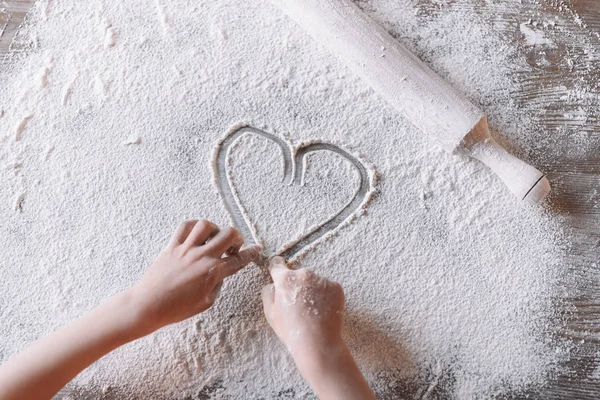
(413, 88)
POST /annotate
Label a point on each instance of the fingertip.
(253, 253)
(257, 253)
(277, 261)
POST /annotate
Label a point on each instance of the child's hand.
(306, 311)
(183, 281)
(186, 277)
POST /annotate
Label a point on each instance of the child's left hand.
(186, 277)
(184, 280)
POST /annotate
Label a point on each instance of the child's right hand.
(305, 310)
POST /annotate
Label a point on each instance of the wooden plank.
(12, 15)
(576, 173)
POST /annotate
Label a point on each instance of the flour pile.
(107, 129)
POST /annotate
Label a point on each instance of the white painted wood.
(523, 180)
(413, 88)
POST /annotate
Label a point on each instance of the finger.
(278, 269)
(181, 233)
(224, 240)
(232, 264)
(232, 251)
(202, 231)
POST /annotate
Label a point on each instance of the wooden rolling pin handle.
(523, 180)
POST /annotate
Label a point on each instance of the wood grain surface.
(12, 14)
(574, 168)
(575, 173)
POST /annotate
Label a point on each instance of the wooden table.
(574, 172)
(576, 180)
(12, 14)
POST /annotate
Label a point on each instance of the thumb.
(232, 264)
(268, 298)
(278, 269)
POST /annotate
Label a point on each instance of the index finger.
(230, 265)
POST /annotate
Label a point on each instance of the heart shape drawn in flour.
(294, 159)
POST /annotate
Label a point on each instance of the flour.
(21, 125)
(296, 161)
(450, 282)
(66, 93)
(19, 202)
(133, 140)
(329, 184)
(13, 165)
(534, 36)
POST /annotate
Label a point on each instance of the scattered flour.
(43, 74)
(133, 140)
(450, 281)
(21, 125)
(19, 202)
(66, 93)
(533, 36)
(14, 165)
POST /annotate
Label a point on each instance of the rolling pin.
(413, 88)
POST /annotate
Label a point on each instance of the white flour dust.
(107, 129)
(329, 184)
(533, 36)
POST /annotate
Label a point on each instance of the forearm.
(183, 281)
(334, 375)
(41, 370)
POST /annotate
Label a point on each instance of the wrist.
(315, 360)
(128, 312)
(333, 374)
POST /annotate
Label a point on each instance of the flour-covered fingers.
(226, 239)
(279, 270)
(232, 264)
(181, 233)
(202, 231)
